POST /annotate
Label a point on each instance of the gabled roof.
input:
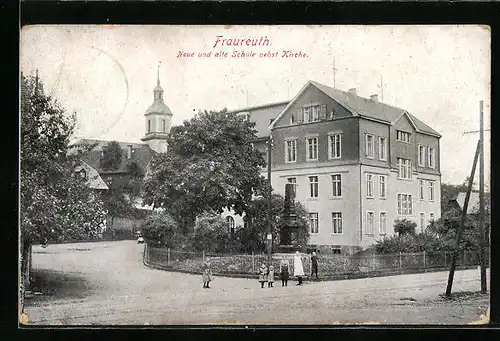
(141, 153)
(364, 107)
(94, 180)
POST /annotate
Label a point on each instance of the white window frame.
(382, 230)
(421, 155)
(315, 148)
(315, 113)
(293, 119)
(337, 228)
(230, 221)
(313, 217)
(403, 136)
(313, 187)
(382, 186)
(382, 148)
(404, 168)
(307, 112)
(370, 152)
(431, 155)
(421, 190)
(432, 217)
(369, 185)
(370, 229)
(407, 208)
(293, 182)
(287, 155)
(332, 143)
(422, 221)
(432, 191)
(337, 185)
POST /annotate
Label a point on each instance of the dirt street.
(106, 283)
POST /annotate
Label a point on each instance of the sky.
(106, 74)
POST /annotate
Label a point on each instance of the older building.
(357, 164)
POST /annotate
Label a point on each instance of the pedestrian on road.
(314, 265)
(262, 275)
(284, 271)
(298, 268)
(207, 273)
(270, 277)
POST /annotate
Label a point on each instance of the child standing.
(262, 275)
(270, 277)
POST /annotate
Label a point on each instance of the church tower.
(158, 121)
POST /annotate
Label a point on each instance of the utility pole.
(269, 194)
(381, 86)
(462, 223)
(482, 240)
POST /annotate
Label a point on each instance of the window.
(402, 136)
(313, 184)
(370, 221)
(163, 126)
(149, 126)
(421, 156)
(337, 185)
(313, 222)
(382, 223)
(431, 190)
(293, 181)
(421, 189)
(129, 151)
(382, 148)
(404, 168)
(246, 223)
(314, 113)
(331, 115)
(369, 185)
(422, 222)
(370, 147)
(334, 146)
(291, 151)
(312, 148)
(336, 250)
(432, 156)
(292, 118)
(337, 223)
(382, 186)
(431, 217)
(405, 204)
(230, 221)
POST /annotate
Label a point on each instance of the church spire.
(158, 74)
(158, 91)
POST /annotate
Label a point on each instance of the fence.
(329, 265)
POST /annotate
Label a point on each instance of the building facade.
(357, 164)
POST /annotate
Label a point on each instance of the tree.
(56, 204)
(210, 165)
(253, 236)
(404, 227)
(112, 157)
(160, 229)
(212, 234)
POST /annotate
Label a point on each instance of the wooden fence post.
(400, 263)
(203, 256)
(445, 258)
(168, 256)
(424, 260)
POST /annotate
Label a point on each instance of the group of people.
(266, 274)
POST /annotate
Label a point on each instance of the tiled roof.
(141, 153)
(368, 108)
(94, 180)
(262, 115)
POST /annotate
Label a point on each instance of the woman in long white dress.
(298, 268)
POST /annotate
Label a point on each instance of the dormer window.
(403, 136)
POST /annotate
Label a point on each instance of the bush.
(160, 229)
(404, 227)
(212, 234)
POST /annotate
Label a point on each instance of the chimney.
(353, 91)
(374, 98)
